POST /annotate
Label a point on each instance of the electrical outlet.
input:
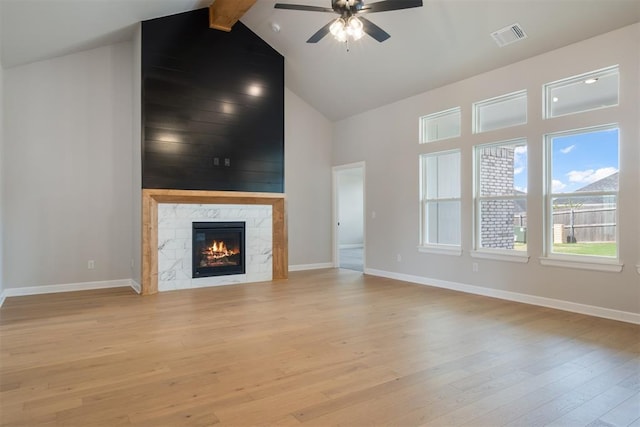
(373, 214)
(399, 258)
(91, 264)
(474, 266)
(227, 162)
(216, 161)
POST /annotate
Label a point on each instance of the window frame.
(588, 262)
(478, 251)
(424, 245)
(476, 106)
(547, 97)
(423, 124)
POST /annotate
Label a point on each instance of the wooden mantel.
(151, 198)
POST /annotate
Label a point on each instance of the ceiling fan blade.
(373, 30)
(387, 5)
(302, 7)
(320, 34)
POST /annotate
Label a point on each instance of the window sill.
(441, 249)
(502, 256)
(591, 263)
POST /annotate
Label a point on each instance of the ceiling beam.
(223, 14)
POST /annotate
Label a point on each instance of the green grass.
(586, 248)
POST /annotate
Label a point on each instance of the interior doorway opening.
(349, 216)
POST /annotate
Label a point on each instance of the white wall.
(307, 182)
(350, 207)
(136, 158)
(387, 139)
(68, 166)
(2, 181)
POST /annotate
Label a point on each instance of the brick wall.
(496, 173)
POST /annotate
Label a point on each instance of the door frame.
(335, 170)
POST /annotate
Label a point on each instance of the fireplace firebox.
(218, 248)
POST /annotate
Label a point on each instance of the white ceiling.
(440, 43)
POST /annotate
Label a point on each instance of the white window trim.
(440, 249)
(582, 262)
(501, 255)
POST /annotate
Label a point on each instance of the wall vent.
(508, 35)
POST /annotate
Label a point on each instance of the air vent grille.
(508, 35)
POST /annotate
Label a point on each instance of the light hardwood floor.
(322, 348)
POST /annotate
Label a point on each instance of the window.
(590, 91)
(582, 192)
(441, 125)
(500, 112)
(501, 197)
(440, 195)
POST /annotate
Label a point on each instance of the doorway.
(349, 216)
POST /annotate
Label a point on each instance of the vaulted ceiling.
(442, 42)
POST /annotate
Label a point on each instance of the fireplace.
(218, 248)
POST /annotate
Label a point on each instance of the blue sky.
(577, 160)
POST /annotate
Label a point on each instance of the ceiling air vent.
(508, 35)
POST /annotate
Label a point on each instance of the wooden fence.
(588, 224)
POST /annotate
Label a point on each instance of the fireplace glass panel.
(218, 248)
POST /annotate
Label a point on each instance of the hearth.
(218, 248)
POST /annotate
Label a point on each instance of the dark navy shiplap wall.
(207, 95)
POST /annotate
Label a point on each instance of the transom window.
(500, 112)
(590, 91)
(441, 125)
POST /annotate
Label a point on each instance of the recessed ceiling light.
(275, 27)
(591, 81)
(555, 99)
(254, 90)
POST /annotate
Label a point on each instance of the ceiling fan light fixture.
(355, 28)
(348, 25)
(337, 27)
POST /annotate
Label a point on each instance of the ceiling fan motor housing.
(347, 8)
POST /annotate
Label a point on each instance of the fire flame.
(220, 250)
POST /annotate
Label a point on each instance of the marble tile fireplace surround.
(166, 236)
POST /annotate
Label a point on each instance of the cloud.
(521, 149)
(557, 185)
(518, 171)
(522, 189)
(568, 149)
(588, 176)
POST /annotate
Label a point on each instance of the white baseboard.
(318, 266)
(136, 286)
(68, 287)
(607, 313)
(2, 298)
(351, 246)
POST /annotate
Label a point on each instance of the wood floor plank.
(626, 413)
(324, 347)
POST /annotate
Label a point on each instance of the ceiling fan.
(351, 23)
